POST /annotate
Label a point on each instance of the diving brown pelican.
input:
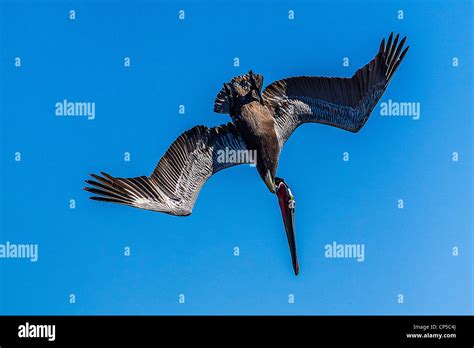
(261, 122)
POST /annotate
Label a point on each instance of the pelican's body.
(261, 122)
(257, 127)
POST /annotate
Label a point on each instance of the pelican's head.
(270, 181)
(267, 173)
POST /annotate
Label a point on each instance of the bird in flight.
(262, 121)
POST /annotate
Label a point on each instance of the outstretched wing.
(180, 174)
(340, 102)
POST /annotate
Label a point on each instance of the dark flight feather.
(178, 177)
(341, 102)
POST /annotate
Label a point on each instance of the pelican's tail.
(221, 105)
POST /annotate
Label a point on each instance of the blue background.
(407, 251)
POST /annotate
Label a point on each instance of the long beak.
(287, 207)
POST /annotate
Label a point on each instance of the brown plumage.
(261, 122)
(256, 125)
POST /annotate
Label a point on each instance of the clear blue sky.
(81, 251)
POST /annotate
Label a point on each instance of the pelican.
(262, 121)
